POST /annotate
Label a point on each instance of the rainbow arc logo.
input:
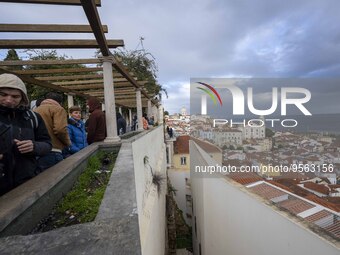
(211, 91)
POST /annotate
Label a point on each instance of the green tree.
(144, 67)
(36, 92)
(12, 55)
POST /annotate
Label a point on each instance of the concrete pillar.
(155, 113)
(110, 109)
(149, 108)
(139, 109)
(70, 101)
(130, 117)
(160, 114)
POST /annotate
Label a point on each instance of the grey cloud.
(204, 38)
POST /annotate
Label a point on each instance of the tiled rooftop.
(334, 229)
(295, 205)
(318, 216)
(181, 145)
(206, 146)
(245, 178)
(266, 191)
(317, 187)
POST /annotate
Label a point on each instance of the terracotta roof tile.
(245, 178)
(295, 205)
(267, 191)
(181, 145)
(331, 203)
(318, 216)
(317, 187)
(334, 229)
(206, 146)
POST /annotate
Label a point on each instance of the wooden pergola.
(104, 77)
(83, 81)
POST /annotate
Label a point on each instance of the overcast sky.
(207, 38)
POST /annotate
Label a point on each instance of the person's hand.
(24, 146)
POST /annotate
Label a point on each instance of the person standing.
(24, 136)
(96, 125)
(134, 123)
(76, 131)
(55, 118)
(145, 121)
(121, 124)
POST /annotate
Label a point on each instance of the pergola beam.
(47, 28)
(76, 77)
(53, 71)
(49, 62)
(44, 84)
(57, 44)
(56, 2)
(64, 83)
(94, 20)
(90, 86)
(71, 77)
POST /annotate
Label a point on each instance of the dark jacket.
(121, 124)
(76, 131)
(96, 125)
(17, 167)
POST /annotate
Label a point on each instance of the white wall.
(231, 220)
(150, 205)
(177, 179)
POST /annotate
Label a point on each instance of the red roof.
(266, 191)
(318, 216)
(317, 187)
(245, 178)
(181, 145)
(206, 146)
(331, 203)
(295, 205)
(334, 229)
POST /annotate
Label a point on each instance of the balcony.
(131, 217)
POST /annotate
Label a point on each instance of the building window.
(183, 161)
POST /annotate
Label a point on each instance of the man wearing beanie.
(23, 135)
(55, 118)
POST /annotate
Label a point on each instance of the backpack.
(32, 117)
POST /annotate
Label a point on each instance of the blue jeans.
(49, 160)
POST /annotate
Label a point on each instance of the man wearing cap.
(24, 136)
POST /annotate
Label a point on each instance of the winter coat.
(121, 124)
(55, 118)
(76, 131)
(17, 167)
(96, 125)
